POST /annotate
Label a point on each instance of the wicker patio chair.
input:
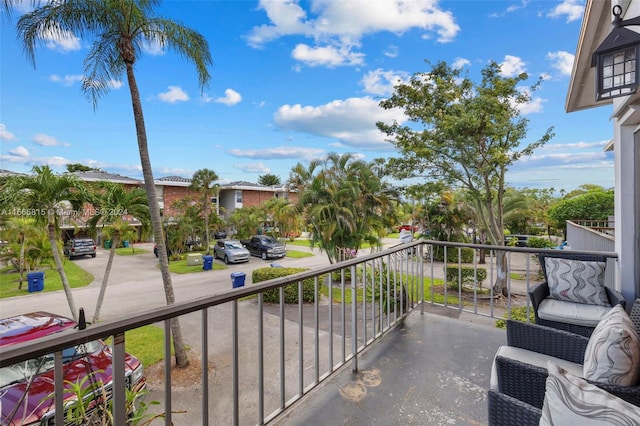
(539, 293)
(521, 386)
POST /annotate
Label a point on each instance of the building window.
(239, 196)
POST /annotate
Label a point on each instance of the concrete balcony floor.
(434, 369)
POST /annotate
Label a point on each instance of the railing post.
(119, 385)
(354, 319)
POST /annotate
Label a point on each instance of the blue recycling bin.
(237, 279)
(35, 281)
(125, 243)
(207, 262)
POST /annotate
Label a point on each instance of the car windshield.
(269, 240)
(25, 370)
(84, 243)
(234, 245)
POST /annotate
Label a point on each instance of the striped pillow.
(577, 281)
(613, 352)
(570, 400)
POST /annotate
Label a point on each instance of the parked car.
(80, 247)
(155, 251)
(220, 235)
(265, 247)
(516, 240)
(407, 228)
(26, 388)
(230, 251)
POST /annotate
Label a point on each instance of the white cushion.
(529, 357)
(570, 400)
(572, 313)
(576, 281)
(613, 352)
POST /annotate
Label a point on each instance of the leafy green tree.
(204, 182)
(471, 134)
(77, 167)
(269, 180)
(593, 205)
(113, 203)
(46, 196)
(346, 204)
(120, 29)
(21, 232)
(246, 220)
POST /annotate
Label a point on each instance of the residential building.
(625, 117)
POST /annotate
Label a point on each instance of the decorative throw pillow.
(613, 352)
(577, 281)
(570, 400)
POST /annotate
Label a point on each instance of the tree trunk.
(21, 267)
(182, 360)
(105, 278)
(53, 240)
(500, 284)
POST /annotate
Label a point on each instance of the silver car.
(230, 251)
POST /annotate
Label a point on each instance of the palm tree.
(345, 202)
(121, 28)
(21, 230)
(112, 202)
(203, 181)
(269, 180)
(43, 195)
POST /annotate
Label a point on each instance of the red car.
(407, 228)
(26, 388)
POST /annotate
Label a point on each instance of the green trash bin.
(107, 244)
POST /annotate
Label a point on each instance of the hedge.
(290, 291)
(466, 275)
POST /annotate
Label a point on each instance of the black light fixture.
(616, 59)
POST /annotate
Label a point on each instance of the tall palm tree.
(204, 182)
(114, 201)
(43, 195)
(120, 29)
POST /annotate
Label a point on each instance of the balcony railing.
(280, 352)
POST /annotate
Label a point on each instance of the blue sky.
(295, 80)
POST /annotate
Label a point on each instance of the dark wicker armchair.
(540, 292)
(520, 396)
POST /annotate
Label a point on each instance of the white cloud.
(575, 145)
(461, 63)
(391, 52)
(534, 105)
(57, 39)
(337, 27)
(330, 56)
(572, 9)
(153, 47)
(351, 121)
(174, 94)
(562, 61)
(67, 80)
(512, 66)
(46, 140)
(115, 84)
(19, 151)
(231, 97)
(380, 82)
(278, 153)
(6, 135)
(253, 168)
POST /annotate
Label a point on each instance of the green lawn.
(297, 254)
(181, 267)
(9, 281)
(130, 251)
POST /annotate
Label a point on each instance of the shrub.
(517, 314)
(537, 242)
(290, 291)
(466, 274)
(452, 254)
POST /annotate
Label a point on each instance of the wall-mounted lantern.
(616, 59)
